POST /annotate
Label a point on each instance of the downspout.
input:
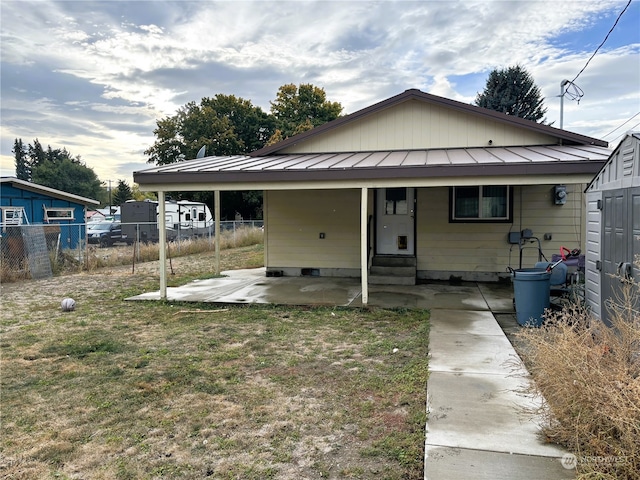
(162, 235)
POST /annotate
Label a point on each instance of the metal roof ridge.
(415, 94)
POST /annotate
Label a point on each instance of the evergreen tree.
(23, 166)
(122, 193)
(56, 168)
(513, 91)
(70, 176)
(37, 156)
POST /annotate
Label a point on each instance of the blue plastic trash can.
(531, 288)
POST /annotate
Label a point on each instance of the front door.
(395, 213)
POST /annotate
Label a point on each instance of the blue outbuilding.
(26, 203)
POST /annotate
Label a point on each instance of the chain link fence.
(40, 251)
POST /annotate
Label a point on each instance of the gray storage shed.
(613, 225)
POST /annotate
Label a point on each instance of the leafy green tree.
(139, 195)
(69, 175)
(23, 165)
(122, 193)
(229, 125)
(181, 136)
(252, 126)
(301, 108)
(513, 91)
(224, 125)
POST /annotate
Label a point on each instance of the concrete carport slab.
(253, 286)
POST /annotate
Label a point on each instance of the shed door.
(395, 213)
(620, 241)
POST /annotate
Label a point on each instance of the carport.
(384, 181)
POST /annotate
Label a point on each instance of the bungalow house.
(413, 188)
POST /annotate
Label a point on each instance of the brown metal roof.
(414, 94)
(540, 160)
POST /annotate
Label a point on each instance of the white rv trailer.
(183, 219)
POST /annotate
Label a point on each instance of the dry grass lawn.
(129, 390)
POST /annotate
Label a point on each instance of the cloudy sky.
(94, 77)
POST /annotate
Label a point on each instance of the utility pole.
(562, 84)
(574, 92)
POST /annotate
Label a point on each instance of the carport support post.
(162, 236)
(364, 254)
(216, 210)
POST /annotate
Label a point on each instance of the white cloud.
(131, 63)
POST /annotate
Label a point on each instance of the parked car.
(105, 234)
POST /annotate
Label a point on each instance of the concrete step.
(393, 271)
(388, 280)
(394, 261)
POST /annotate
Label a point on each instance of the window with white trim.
(487, 203)
(56, 214)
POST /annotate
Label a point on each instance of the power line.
(603, 42)
(616, 140)
(617, 128)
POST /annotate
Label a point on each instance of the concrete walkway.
(476, 424)
(477, 427)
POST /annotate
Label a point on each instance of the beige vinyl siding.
(295, 220)
(483, 247)
(417, 125)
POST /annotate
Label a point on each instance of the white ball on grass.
(68, 305)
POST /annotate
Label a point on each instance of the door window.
(396, 201)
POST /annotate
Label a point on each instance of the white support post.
(216, 209)
(162, 233)
(364, 254)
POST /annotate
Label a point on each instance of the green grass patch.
(134, 390)
(83, 343)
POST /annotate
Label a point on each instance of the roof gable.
(622, 168)
(418, 120)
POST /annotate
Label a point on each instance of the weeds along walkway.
(477, 422)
